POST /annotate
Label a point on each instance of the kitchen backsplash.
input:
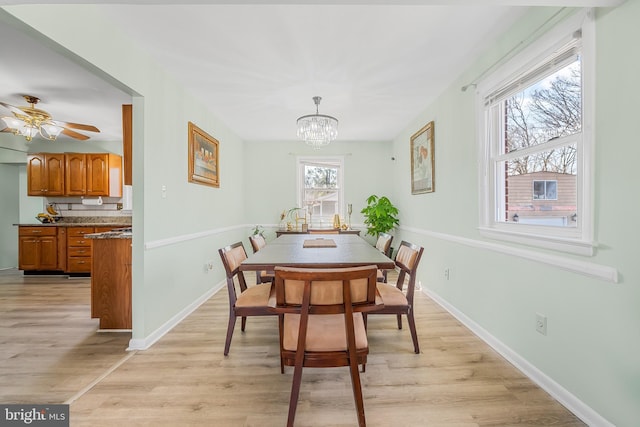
(73, 207)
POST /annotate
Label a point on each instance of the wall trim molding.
(562, 395)
(589, 269)
(155, 244)
(149, 340)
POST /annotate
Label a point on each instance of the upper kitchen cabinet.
(95, 174)
(45, 174)
(104, 175)
(74, 174)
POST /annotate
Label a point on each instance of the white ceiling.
(257, 66)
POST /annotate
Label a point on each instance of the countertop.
(84, 221)
(124, 233)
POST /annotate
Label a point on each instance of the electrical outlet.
(541, 324)
(447, 273)
(208, 266)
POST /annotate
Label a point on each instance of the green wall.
(593, 341)
(8, 215)
(270, 183)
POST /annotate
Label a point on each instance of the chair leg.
(244, 323)
(414, 334)
(295, 393)
(399, 316)
(357, 390)
(230, 327)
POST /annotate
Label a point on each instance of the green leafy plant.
(380, 215)
(258, 229)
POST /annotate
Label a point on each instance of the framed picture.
(204, 165)
(422, 161)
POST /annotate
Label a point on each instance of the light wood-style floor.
(51, 354)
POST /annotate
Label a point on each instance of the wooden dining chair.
(383, 244)
(257, 300)
(395, 300)
(321, 323)
(258, 242)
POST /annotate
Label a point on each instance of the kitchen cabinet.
(45, 174)
(104, 175)
(111, 283)
(38, 248)
(74, 174)
(79, 248)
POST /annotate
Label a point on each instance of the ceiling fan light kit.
(317, 130)
(31, 121)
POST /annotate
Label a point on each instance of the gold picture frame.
(204, 159)
(423, 160)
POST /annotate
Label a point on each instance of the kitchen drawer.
(38, 231)
(79, 251)
(79, 231)
(79, 264)
(78, 241)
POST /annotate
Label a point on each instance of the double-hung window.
(535, 131)
(320, 189)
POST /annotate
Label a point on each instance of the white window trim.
(300, 160)
(577, 240)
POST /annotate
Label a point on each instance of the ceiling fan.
(31, 121)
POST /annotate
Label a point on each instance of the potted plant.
(380, 215)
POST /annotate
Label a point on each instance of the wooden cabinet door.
(45, 174)
(28, 253)
(97, 174)
(54, 167)
(36, 175)
(48, 253)
(75, 174)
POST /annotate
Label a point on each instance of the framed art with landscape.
(204, 165)
(422, 160)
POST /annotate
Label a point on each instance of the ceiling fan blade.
(12, 108)
(79, 126)
(74, 134)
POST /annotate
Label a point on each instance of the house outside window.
(536, 148)
(320, 189)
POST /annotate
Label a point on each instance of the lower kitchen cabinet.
(79, 248)
(38, 248)
(111, 283)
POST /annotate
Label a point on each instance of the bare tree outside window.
(541, 123)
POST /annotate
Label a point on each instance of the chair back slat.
(326, 286)
(232, 256)
(257, 242)
(407, 261)
(383, 244)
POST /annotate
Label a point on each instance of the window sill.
(566, 245)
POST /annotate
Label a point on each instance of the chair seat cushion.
(325, 332)
(257, 296)
(390, 295)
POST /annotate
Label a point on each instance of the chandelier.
(317, 130)
(30, 121)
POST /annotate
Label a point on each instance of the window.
(535, 149)
(320, 189)
(546, 190)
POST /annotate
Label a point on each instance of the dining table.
(317, 251)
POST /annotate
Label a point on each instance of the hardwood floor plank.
(50, 347)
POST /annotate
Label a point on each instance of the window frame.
(301, 161)
(545, 192)
(575, 240)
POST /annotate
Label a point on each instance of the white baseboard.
(568, 400)
(149, 340)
